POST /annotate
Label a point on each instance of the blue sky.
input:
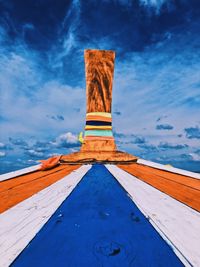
(156, 91)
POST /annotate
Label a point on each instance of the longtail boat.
(99, 206)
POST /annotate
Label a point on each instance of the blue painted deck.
(98, 225)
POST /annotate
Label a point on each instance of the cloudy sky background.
(156, 92)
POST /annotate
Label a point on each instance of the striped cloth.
(99, 125)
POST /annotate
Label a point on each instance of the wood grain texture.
(17, 189)
(180, 187)
(99, 145)
(13, 174)
(99, 67)
(21, 223)
(177, 223)
(168, 168)
(98, 225)
(98, 156)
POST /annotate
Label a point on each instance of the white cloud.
(2, 154)
(34, 153)
(156, 3)
(26, 100)
(69, 27)
(67, 140)
(158, 83)
(2, 145)
(195, 157)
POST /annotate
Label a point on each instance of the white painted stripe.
(14, 174)
(21, 223)
(177, 223)
(168, 168)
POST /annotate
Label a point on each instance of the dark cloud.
(42, 149)
(5, 146)
(137, 139)
(129, 138)
(37, 22)
(148, 147)
(117, 113)
(77, 109)
(161, 117)
(119, 135)
(18, 142)
(184, 157)
(197, 151)
(165, 146)
(56, 117)
(132, 26)
(192, 101)
(164, 127)
(192, 132)
(41, 146)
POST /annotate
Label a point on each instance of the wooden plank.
(98, 225)
(178, 224)
(168, 168)
(13, 174)
(17, 189)
(182, 188)
(21, 223)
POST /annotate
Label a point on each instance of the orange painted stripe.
(20, 188)
(99, 128)
(98, 118)
(183, 188)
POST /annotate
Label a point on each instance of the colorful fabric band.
(98, 133)
(104, 114)
(98, 124)
(98, 118)
(88, 138)
(90, 127)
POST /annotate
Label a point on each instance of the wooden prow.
(99, 68)
(98, 143)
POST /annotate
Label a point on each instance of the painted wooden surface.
(99, 67)
(176, 222)
(168, 168)
(13, 174)
(98, 225)
(183, 188)
(17, 189)
(21, 223)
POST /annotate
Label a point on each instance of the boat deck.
(15, 190)
(125, 215)
(183, 188)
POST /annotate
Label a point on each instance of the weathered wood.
(99, 156)
(168, 168)
(17, 189)
(98, 225)
(178, 224)
(21, 223)
(13, 174)
(180, 187)
(99, 68)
